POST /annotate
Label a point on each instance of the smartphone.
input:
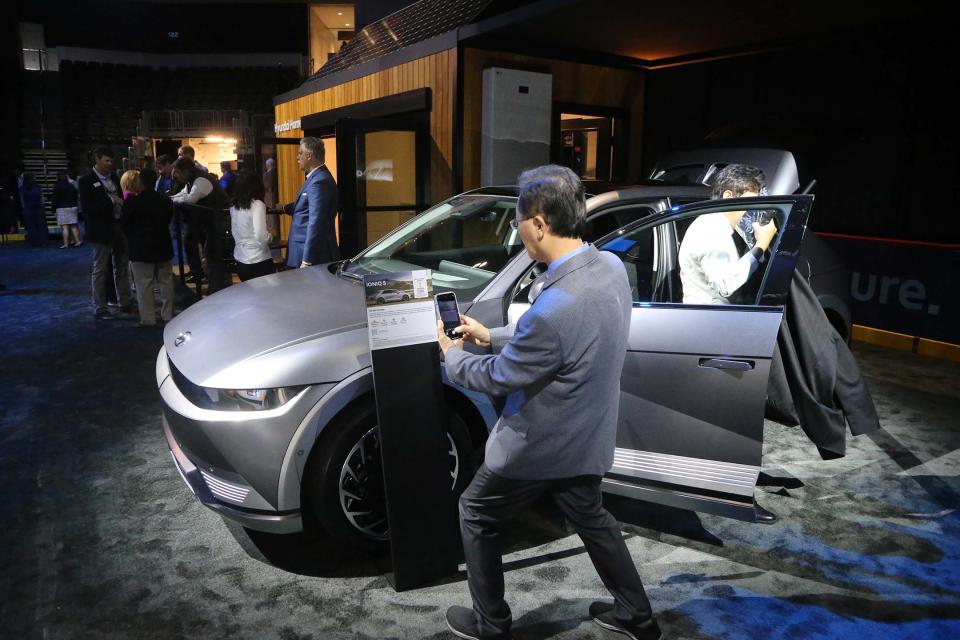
(763, 216)
(449, 312)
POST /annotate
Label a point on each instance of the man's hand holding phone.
(764, 234)
(470, 331)
(473, 332)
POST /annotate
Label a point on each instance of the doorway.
(383, 164)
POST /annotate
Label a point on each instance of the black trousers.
(255, 270)
(194, 238)
(491, 500)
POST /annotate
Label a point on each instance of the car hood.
(302, 326)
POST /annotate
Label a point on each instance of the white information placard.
(400, 309)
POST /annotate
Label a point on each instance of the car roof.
(495, 190)
(778, 165)
(653, 190)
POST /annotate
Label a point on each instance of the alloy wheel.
(361, 485)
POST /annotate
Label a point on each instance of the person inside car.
(714, 258)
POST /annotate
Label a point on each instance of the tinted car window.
(636, 250)
(610, 220)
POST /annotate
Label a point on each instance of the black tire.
(405, 297)
(325, 474)
(380, 300)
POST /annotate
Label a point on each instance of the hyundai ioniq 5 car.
(267, 388)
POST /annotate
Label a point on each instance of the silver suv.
(270, 417)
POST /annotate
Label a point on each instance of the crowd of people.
(129, 219)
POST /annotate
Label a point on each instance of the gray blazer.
(559, 369)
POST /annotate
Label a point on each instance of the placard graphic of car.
(384, 296)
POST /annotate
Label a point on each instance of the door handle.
(720, 363)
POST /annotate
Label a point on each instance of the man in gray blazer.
(558, 370)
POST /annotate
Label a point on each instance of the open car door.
(694, 382)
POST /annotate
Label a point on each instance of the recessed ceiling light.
(347, 24)
(339, 13)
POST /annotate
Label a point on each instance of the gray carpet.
(101, 539)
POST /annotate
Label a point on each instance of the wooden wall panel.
(436, 72)
(572, 83)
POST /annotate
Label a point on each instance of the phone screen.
(449, 311)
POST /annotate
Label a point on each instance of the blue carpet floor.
(101, 539)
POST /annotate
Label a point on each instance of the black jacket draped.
(814, 379)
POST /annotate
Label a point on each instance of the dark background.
(868, 112)
(128, 25)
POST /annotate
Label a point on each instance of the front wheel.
(345, 485)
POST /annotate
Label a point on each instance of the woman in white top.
(248, 224)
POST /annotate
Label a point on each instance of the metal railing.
(192, 122)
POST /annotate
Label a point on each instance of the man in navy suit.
(101, 201)
(312, 238)
(558, 370)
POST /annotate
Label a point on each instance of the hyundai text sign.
(289, 125)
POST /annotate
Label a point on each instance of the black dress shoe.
(463, 623)
(602, 614)
(763, 516)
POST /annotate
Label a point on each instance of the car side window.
(695, 260)
(610, 220)
(637, 250)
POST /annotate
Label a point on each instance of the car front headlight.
(254, 399)
(233, 399)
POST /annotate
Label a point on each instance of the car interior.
(650, 256)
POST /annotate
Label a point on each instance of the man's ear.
(727, 194)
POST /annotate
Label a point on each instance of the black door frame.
(618, 139)
(408, 111)
(353, 207)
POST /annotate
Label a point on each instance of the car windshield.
(465, 241)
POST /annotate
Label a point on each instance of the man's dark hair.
(225, 166)
(558, 194)
(148, 179)
(188, 150)
(99, 152)
(165, 159)
(186, 165)
(738, 178)
(249, 188)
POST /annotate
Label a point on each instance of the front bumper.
(239, 465)
(201, 484)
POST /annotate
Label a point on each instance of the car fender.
(308, 432)
(323, 413)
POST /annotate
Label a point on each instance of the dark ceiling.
(660, 33)
(651, 34)
(199, 27)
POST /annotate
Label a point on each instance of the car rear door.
(694, 381)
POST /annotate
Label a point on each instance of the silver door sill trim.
(712, 475)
